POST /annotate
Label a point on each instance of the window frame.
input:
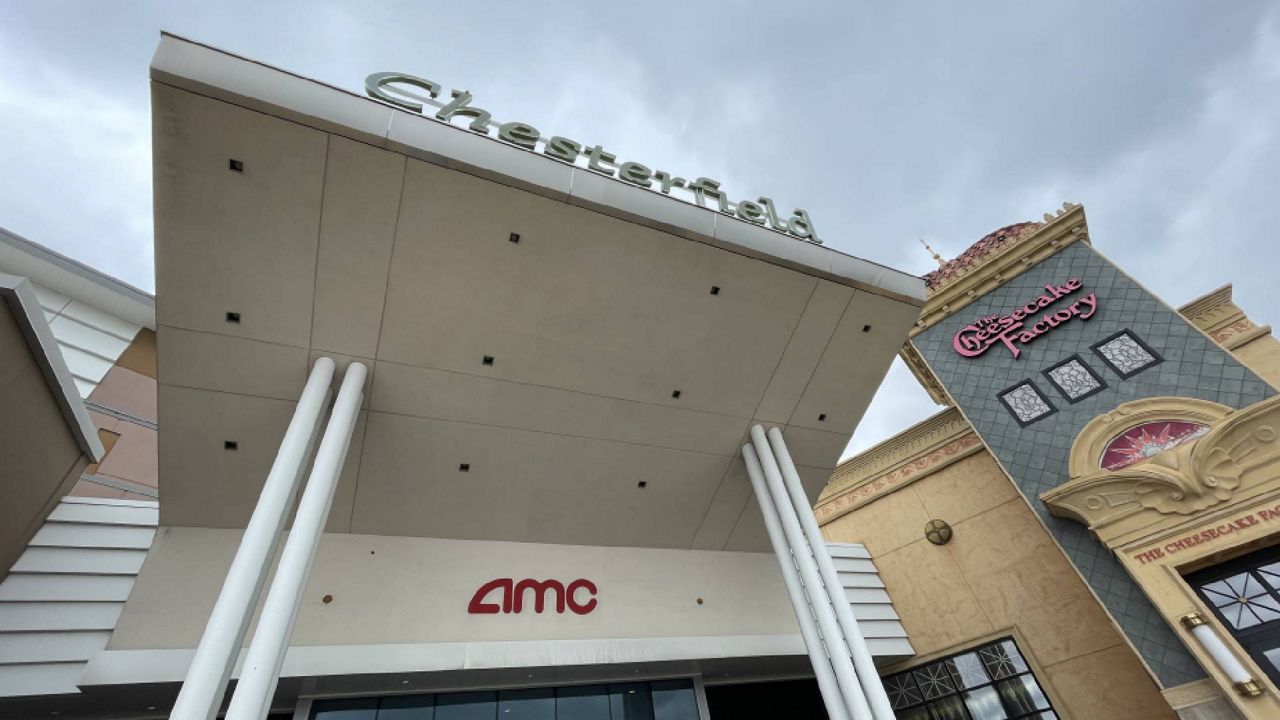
(992, 682)
(1102, 384)
(1096, 348)
(1014, 413)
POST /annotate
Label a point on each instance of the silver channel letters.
(395, 88)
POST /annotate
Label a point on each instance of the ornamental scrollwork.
(1182, 480)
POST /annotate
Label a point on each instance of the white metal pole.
(206, 682)
(868, 676)
(261, 671)
(831, 696)
(846, 677)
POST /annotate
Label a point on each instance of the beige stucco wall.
(1262, 355)
(1001, 574)
(398, 590)
(40, 455)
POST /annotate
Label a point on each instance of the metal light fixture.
(937, 532)
(1241, 680)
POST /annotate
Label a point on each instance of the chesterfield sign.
(1013, 331)
(382, 86)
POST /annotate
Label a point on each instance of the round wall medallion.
(937, 532)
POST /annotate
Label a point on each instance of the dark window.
(1126, 354)
(658, 700)
(777, 700)
(992, 682)
(1245, 595)
(466, 706)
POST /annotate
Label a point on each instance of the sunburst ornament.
(1143, 441)
(937, 532)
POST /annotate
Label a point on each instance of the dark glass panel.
(674, 700)
(934, 681)
(915, 713)
(902, 690)
(538, 704)
(1022, 695)
(630, 701)
(951, 708)
(467, 706)
(984, 704)
(586, 702)
(346, 709)
(407, 707)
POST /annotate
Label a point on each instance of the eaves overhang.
(218, 74)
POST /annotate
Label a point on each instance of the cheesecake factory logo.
(1018, 328)
(385, 86)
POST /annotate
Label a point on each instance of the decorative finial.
(935, 255)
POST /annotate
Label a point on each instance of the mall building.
(436, 417)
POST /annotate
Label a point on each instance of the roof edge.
(25, 306)
(136, 304)
(200, 68)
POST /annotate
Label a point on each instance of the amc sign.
(513, 595)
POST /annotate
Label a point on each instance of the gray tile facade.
(1036, 455)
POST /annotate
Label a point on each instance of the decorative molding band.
(918, 367)
(1238, 333)
(1056, 234)
(915, 453)
(1209, 309)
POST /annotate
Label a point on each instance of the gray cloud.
(942, 121)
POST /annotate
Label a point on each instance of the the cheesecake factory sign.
(1022, 325)
(387, 86)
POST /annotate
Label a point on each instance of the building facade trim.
(909, 456)
(1056, 233)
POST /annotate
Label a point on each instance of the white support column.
(261, 670)
(206, 682)
(868, 676)
(837, 650)
(831, 696)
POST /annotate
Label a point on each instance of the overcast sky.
(906, 120)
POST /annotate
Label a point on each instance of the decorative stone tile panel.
(1074, 379)
(1126, 354)
(1026, 403)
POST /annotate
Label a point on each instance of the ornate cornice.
(918, 367)
(1059, 231)
(904, 458)
(1181, 481)
(1210, 308)
(1218, 316)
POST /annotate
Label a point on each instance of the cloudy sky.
(889, 123)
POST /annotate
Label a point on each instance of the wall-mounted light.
(937, 532)
(1226, 661)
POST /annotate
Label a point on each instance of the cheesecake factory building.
(457, 418)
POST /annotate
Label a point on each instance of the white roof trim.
(25, 306)
(199, 68)
(76, 280)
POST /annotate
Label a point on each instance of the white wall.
(61, 600)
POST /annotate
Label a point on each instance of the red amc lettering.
(588, 606)
(512, 600)
(479, 607)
